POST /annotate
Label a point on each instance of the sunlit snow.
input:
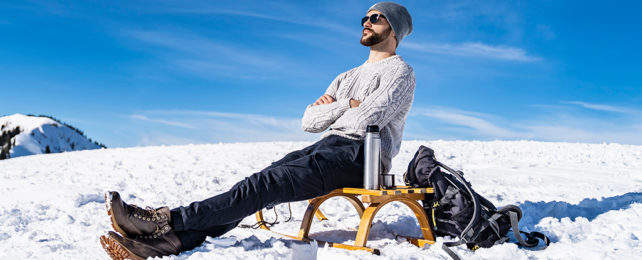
(586, 197)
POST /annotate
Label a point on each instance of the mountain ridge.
(23, 135)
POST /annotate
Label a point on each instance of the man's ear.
(392, 34)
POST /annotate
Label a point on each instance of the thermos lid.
(372, 128)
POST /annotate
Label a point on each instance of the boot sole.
(114, 224)
(117, 251)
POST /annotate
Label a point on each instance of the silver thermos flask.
(372, 158)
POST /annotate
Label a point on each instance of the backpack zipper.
(434, 206)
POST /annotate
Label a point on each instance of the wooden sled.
(376, 199)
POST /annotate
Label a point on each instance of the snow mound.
(28, 135)
(586, 197)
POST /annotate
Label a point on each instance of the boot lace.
(147, 214)
(151, 214)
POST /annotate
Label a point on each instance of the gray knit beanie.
(397, 16)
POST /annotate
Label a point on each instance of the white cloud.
(250, 118)
(470, 120)
(210, 58)
(214, 126)
(162, 121)
(553, 123)
(601, 107)
(473, 49)
(294, 17)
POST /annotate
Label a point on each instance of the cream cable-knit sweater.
(386, 90)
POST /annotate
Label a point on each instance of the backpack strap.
(468, 232)
(531, 238)
(492, 222)
(451, 253)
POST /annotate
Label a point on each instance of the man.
(379, 92)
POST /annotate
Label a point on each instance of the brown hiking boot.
(120, 248)
(133, 221)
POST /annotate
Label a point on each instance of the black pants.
(331, 163)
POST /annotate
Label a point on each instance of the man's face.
(377, 32)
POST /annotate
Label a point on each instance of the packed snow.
(40, 135)
(586, 197)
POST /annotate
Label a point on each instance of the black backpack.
(456, 210)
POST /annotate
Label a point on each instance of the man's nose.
(367, 24)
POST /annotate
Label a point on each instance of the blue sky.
(132, 73)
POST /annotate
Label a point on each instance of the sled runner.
(375, 199)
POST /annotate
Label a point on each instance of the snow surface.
(586, 197)
(39, 132)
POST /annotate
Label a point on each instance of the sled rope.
(269, 224)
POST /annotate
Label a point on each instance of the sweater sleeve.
(382, 105)
(318, 118)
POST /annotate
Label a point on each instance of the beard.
(374, 37)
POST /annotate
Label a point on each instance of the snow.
(37, 133)
(586, 197)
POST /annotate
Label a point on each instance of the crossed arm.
(325, 111)
(379, 107)
(327, 99)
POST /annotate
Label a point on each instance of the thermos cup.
(388, 181)
(372, 158)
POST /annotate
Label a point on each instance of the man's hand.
(323, 100)
(354, 103)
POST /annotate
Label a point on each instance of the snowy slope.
(41, 135)
(586, 197)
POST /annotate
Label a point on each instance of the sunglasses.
(373, 18)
